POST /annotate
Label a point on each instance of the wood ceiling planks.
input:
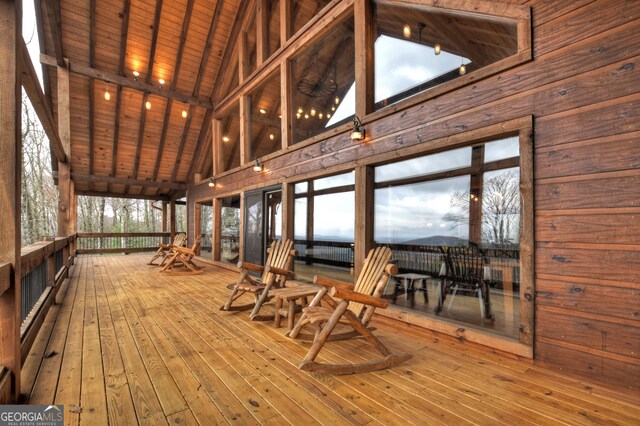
(110, 137)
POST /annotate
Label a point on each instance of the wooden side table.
(291, 295)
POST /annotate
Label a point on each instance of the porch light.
(463, 69)
(136, 74)
(436, 48)
(358, 132)
(406, 31)
(107, 95)
(262, 111)
(259, 166)
(212, 182)
(161, 81)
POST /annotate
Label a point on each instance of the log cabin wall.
(582, 89)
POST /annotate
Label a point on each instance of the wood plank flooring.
(128, 345)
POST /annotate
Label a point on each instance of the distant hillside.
(437, 240)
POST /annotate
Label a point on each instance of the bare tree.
(500, 208)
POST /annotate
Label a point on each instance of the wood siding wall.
(583, 90)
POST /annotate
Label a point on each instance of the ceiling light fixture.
(313, 112)
(107, 95)
(225, 139)
(136, 74)
(436, 48)
(147, 105)
(463, 68)
(406, 31)
(262, 111)
(271, 136)
(184, 113)
(358, 133)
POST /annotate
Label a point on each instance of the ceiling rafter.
(165, 124)
(123, 53)
(148, 80)
(203, 64)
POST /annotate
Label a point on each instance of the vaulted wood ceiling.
(116, 143)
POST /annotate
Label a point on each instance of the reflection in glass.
(419, 47)
(465, 219)
(301, 187)
(428, 164)
(324, 229)
(230, 229)
(322, 76)
(334, 181)
(304, 10)
(230, 139)
(264, 115)
(206, 228)
(501, 149)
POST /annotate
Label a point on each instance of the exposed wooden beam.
(130, 83)
(262, 30)
(225, 66)
(40, 104)
(161, 197)
(123, 53)
(178, 65)
(126, 181)
(55, 26)
(196, 88)
(10, 198)
(145, 98)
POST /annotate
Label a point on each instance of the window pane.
(334, 217)
(300, 219)
(499, 150)
(274, 26)
(264, 115)
(304, 10)
(418, 47)
(301, 188)
(230, 229)
(206, 228)
(230, 143)
(251, 47)
(321, 84)
(334, 181)
(434, 163)
(417, 214)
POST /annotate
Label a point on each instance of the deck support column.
(66, 195)
(364, 214)
(10, 184)
(172, 215)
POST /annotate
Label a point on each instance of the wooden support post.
(310, 208)
(216, 229)
(64, 170)
(285, 102)
(288, 202)
(364, 57)
(527, 237)
(164, 217)
(241, 236)
(245, 130)
(363, 238)
(172, 229)
(475, 201)
(262, 30)
(10, 183)
(216, 142)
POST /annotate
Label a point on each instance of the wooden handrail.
(121, 234)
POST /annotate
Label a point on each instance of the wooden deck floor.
(128, 345)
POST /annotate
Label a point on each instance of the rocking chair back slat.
(279, 255)
(179, 239)
(370, 276)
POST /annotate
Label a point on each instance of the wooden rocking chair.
(183, 256)
(356, 308)
(164, 250)
(274, 274)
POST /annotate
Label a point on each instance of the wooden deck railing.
(45, 265)
(120, 242)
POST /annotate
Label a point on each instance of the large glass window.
(264, 114)
(230, 139)
(205, 220)
(322, 83)
(324, 220)
(251, 54)
(273, 35)
(419, 47)
(452, 220)
(230, 229)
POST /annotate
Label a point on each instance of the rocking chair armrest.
(353, 296)
(280, 271)
(183, 250)
(250, 266)
(165, 246)
(329, 283)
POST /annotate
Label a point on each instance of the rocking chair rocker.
(356, 308)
